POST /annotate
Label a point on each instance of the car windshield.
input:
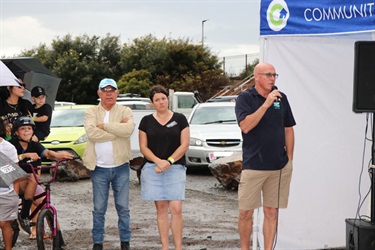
(67, 118)
(211, 115)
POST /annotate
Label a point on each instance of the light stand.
(360, 234)
(372, 173)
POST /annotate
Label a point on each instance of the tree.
(176, 64)
(136, 82)
(249, 69)
(81, 63)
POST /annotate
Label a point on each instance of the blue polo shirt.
(264, 146)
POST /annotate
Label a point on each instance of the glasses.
(269, 75)
(109, 90)
(22, 85)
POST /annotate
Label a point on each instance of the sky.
(231, 29)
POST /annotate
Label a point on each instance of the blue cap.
(107, 82)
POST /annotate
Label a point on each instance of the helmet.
(22, 121)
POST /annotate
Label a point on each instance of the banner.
(316, 17)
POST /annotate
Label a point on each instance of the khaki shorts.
(255, 182)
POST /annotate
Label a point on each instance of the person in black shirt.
(41, 113)
(266, 120)
(27, 149)
(163, 140)
(12, 105)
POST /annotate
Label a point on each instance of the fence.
(234, 65)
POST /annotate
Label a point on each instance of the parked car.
(214, 133)
(58, 103)
(132, 97)
(136, 105)
(67, 131)
(225, 98)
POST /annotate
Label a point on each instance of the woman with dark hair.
(163, 140)
(12, 105)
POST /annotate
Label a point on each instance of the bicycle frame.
(46, 202)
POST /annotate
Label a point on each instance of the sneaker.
(125, 245)
(24, 225)
(97, 247)
(61, 239)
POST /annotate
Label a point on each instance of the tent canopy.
(311, 45)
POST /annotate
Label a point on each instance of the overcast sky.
(232, 28)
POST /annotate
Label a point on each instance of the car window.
(210, 115)
(135, 106)
(186, 102)
(67, 118)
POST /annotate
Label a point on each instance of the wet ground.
(210, 216)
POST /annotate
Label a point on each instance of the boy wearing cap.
(41, 113)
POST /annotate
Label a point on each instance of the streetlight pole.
(203, 31)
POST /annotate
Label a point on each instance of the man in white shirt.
(107, 154)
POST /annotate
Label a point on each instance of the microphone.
(276, 104)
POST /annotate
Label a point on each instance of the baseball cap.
(107, 82)
(37, 91)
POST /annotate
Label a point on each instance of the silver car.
(214, 133)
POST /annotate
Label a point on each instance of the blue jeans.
(101, 179)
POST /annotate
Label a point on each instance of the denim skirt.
(169, 185)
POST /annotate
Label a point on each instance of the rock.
(72, 170)
(227, 170)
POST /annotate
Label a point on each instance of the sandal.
(32, 236)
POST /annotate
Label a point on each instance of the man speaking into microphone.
(266, 121)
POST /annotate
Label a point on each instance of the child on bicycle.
(27, 149)
(8, 195)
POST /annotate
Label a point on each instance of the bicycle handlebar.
(54, 166)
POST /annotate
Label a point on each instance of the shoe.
(61, 239)
(125, 245)
(97, 247)
(24, 225)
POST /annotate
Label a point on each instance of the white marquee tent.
(311, 45)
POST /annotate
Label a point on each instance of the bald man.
(266, 121)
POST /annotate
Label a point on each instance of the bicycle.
(47, 234)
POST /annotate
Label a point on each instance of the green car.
(67, 131)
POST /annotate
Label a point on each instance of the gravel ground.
(210, 216)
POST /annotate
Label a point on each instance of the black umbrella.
(9, 171)
(33, 73)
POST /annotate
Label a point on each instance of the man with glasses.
(107, 154)
(268, 145)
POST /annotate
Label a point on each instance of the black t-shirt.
(9, 113)
(42, 129)
(164, 140)
(32, 147)
(264, 146)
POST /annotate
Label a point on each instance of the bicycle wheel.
(16, 232)
(44, 231)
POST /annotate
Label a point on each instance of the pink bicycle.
(47, 233)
